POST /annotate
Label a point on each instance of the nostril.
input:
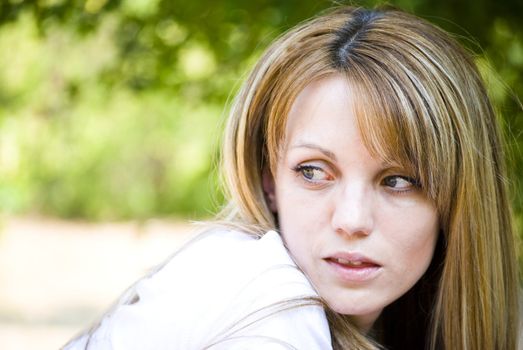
(354, 224)
(353, 232)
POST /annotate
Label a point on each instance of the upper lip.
(353, 257)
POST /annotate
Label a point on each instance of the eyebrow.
(316, 147)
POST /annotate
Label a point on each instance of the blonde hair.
(423, 104)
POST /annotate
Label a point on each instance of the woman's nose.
(354, 210)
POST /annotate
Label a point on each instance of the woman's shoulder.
(240, 252)
(224, 266)
(225, 288)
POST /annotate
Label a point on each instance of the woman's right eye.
(312, 173)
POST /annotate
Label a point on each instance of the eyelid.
(316, 163)
(302, 167)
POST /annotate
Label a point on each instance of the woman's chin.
(363, 317)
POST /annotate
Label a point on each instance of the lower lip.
(354, 273)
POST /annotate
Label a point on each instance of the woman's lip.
(352, 257)
(353, 267)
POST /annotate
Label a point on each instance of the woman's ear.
(269, 188)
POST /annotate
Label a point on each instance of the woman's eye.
(312, 173)
(400, 183)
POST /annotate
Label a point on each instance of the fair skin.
(363, 231)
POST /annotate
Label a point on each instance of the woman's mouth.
(353, 263)
(352, 267)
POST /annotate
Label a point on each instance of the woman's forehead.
(318, 100)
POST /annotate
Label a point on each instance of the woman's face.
(361, 230)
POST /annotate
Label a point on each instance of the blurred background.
(111, 114)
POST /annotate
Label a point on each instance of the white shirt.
(226, 290)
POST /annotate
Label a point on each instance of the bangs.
(393, 124)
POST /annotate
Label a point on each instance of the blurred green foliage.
(113, 109)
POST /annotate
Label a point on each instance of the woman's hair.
(421, 103)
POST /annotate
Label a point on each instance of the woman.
(367, 139)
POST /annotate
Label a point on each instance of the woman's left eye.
(400, 183)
